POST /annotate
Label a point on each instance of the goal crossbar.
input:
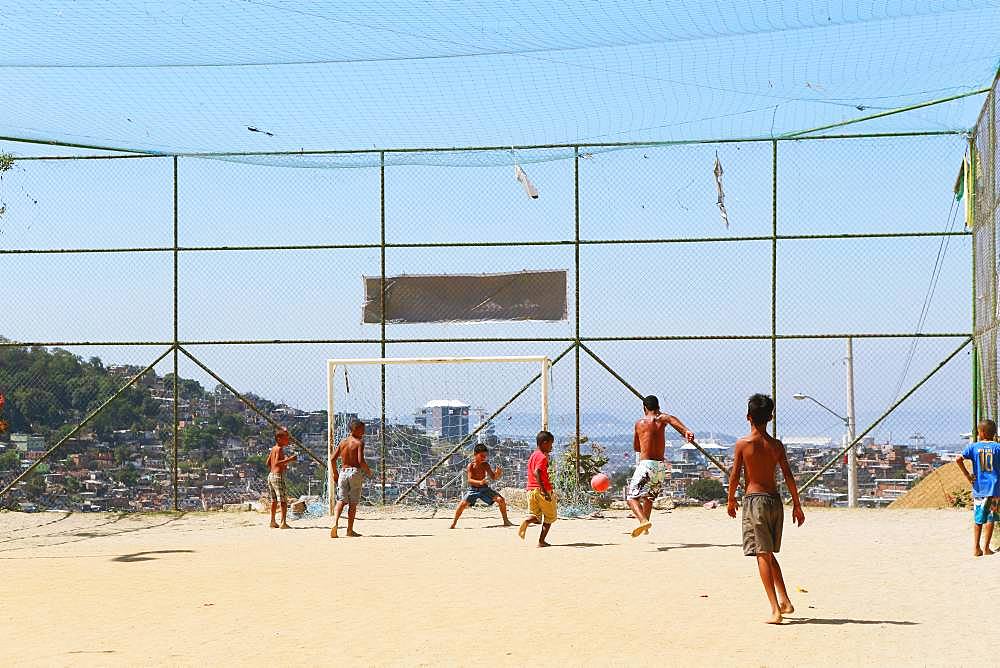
(434, 360)
(332, 364)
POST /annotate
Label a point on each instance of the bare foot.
(641, 529)
(285, 526)
(508, 523)
(978, 552)
(452, 526)
(274, 525)
(523, 528)
(786, 608)
(543, 544)
(353, 534)
(333, 533)
(987, 551)
(775, 618)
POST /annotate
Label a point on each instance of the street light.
(852, 462)
(846, 421)
(849, 423)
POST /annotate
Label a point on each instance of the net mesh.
(264, 318)
(273, 75)
(986, 216)
(434, 416)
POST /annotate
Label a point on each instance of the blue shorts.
(484, 494)
(986, 510)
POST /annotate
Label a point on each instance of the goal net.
(424, 415)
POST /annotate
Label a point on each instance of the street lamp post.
(852, 454)
(851, 478)
(849, 426)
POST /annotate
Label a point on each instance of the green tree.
(214, 464)
(706, 489)
(232, 423)
(10, 460)
(590, 465)
(121, 454)
(259, 463)
(125, 476)
(34, 486)
(198, 441)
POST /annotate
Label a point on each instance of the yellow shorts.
(539, 507)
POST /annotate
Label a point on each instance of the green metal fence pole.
(990, 361)
(882, 114)
(477, 244)
(971, 207)
(83, 423)
(381, 429)
(177, 422)
(576, 298)
(774, 284)
(800, 135)
(176, 426)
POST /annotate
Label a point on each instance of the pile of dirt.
(938, 489)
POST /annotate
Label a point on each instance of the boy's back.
(985, 457)
(349, 451)
(761, 455)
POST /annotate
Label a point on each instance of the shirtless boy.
(276, 465)
(479, 473)
(349, 479)
(763, 510)
(650, 472)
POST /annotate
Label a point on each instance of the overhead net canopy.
(175, 76)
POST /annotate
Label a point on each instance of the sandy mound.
(937, 489)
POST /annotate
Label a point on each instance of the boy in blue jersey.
(985, 479)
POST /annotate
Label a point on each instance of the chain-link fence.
(983, 174)
(241, 276)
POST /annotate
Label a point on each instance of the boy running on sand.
(650, 472)
(276, 465)
(349, 479)
(985, 456)
(763, 510)
(541, 501)
(479, 473)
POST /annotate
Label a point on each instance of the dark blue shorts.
(484, 494)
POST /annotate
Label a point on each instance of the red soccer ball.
(600, 483)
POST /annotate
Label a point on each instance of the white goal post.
(544, 363)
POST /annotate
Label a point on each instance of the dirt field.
(890, 587)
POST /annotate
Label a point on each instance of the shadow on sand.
(688, 546)
(78, 536)
(838, 622)
(392, 535)
(141, 556)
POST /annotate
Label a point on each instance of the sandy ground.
(871, 587)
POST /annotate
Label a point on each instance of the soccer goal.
(423, 416)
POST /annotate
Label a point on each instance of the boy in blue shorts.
(480, 473)
(985, 456)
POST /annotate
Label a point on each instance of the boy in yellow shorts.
(541, 500)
